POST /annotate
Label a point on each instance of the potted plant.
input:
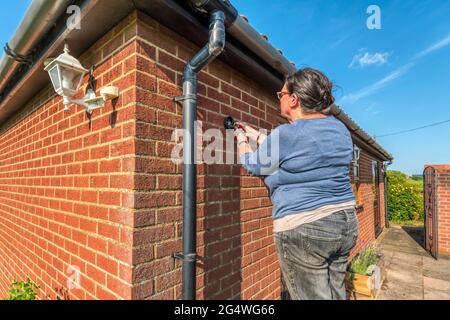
(366, 272)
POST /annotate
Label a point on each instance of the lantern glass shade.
(66, 74)
(71, 80)
(54, 77)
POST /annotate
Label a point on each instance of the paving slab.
(439, 269)
(436, 284)
(405, 249)
(407, 260)
(400, 277)
(411, 273)
(436, 295)
(388, 257)
(401, 292)
(442, 274)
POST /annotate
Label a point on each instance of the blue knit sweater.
(305, 165)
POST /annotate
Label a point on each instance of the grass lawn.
(413, 223)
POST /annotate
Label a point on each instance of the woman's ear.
(294, 100)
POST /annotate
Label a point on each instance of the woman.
(315, 226)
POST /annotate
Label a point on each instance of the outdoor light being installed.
(66, 74)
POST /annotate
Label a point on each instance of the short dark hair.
(313, 88)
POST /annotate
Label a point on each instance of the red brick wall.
(443, 194)
(65, 181)
(234, 228)
(103, 194)
(366, 214)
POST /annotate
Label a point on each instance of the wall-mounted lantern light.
(356, 152)
(66, 74)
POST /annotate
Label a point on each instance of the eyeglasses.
(280, 94)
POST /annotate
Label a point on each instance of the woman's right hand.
(249, 131)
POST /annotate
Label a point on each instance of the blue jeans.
(313, 256)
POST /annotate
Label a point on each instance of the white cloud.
(339, 41)
(365, 59)
(436, 46)
(371, 110)
(397, 73)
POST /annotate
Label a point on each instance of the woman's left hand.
(240, 135)
(249, 131)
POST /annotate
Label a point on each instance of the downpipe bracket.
(180, 99)
(191, 257)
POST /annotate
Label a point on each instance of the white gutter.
(245, 33)
(39, 18)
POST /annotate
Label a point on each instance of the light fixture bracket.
(90, 101)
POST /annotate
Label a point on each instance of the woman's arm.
(264, 161)
(252, 133)
(261, 137)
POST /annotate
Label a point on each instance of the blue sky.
(389, 80)
(400, 76)
(10, 17)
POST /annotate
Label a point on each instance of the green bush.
(405, 198)
(23, 290)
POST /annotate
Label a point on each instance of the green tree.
(405, 198)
